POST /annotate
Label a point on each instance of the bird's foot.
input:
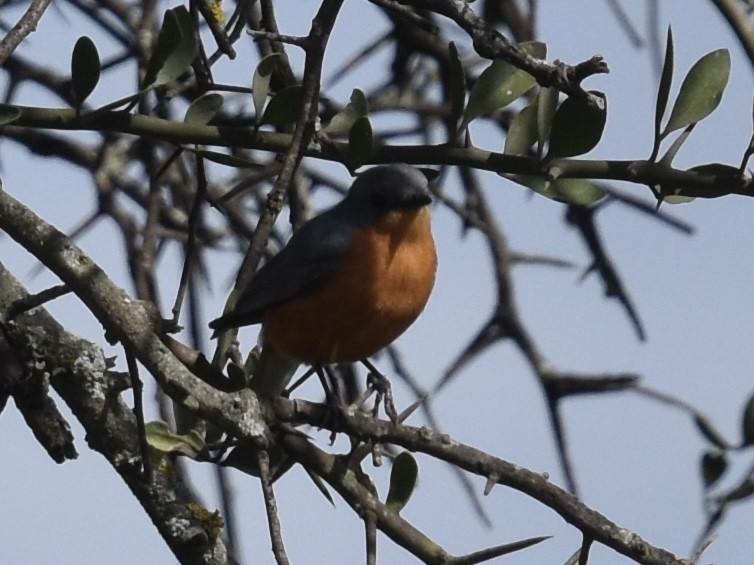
(379, 383)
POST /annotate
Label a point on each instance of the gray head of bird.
(382, 189)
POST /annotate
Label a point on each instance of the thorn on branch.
(33, 300)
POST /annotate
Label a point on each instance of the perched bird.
(349, 281)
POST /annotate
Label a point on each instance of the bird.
(348, 282)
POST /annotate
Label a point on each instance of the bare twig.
(26, 25)
(278, 548)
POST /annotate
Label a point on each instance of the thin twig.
(34, 300)
(138, 390)
(26, 25)
(191, 249)
(276, 537)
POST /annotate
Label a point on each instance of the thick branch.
(129, 322)
(78, 372)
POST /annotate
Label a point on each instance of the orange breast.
(383, 285)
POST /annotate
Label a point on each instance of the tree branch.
(26, 25)
(687, 183)
(129, 322)
(440, 446)
(78, 372)
(491, 44)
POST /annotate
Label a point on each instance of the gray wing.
(309, 258)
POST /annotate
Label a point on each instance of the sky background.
(636, 461)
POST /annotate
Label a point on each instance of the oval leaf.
(203, 109)
(724, 174)
(720, 170)
(713, 465)
(701, 91)
(677, 199)
(85, 70)
(260, 82)
(747, 423)
(175, 49)
(577, 125)
(284, 107)
(360, 142)
(523, 131)
(569, 191)
(343, 121)
(160, 438)
(403, 478)
(500, 84)
(575, 191)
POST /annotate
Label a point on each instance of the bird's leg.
(332, 393)
(379, 382)
(335, 385)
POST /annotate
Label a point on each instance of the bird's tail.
(273, 372)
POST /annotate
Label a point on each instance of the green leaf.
(677, 198)
(721, 172)
(8, 114)
(85, 70)
(260, 82)
(709, 432)
(663, 90)
(284, 107)
(500, 84)
(577, 125)
(576, 191)
(713, 465)
(569, 191)
(547, 103)
(160, 438)
(204, 109)
(670, 154)
(523, 131)
(360, 142)
(701, 91)
(718, 169)
(175, 49)
(343, 121)
(457, 84)
(747, 423)
(403, 478)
